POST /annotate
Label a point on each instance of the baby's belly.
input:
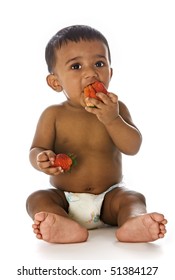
(91, 177)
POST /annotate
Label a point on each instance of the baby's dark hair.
(73, 33)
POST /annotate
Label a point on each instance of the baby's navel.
(89, 189)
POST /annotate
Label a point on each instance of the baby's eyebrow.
(76, 58)
(101, 56)
(73, 59)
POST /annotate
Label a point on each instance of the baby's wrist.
(112, 121)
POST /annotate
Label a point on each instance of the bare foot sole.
(143, 228)
(58, 229)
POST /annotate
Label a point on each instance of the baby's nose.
(90, 72)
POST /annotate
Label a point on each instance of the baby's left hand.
(107, 109)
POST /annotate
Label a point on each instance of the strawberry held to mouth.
(65, 161)
(92, 89)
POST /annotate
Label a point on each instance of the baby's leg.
(127, 210)
(48, 209)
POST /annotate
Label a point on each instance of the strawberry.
(65, 161)
(99, 87)
(91, 90)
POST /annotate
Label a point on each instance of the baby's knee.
(34, 198)
(133, 195)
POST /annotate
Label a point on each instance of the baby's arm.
(42, 153)
(118, 122)
(124, 133)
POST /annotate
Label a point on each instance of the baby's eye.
(76, 66)
(99, 64)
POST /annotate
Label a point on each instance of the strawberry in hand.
(91, 90)
(65, 161)
(99, 87)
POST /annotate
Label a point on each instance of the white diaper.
(85, 208)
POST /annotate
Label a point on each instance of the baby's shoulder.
(54, 109)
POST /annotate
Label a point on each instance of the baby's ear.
(53, 82)
(111, 73)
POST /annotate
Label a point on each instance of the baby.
(92, 194)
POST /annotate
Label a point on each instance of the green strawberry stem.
(74, 160)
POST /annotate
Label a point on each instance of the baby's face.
(80, 64)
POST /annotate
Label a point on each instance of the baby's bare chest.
(78, 133)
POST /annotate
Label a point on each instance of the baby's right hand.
(45, 161)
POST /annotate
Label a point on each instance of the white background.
(141, 38)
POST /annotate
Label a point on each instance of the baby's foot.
(58, 229)
(143, 228)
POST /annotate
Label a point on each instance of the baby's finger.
(60, 169)
(92, 110)
(43, 164)
(113, 97)
(56, 170)
(103, 97)
(42, 157)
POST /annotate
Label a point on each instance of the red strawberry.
(91, 90)
(65, 161)
(99, 87)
